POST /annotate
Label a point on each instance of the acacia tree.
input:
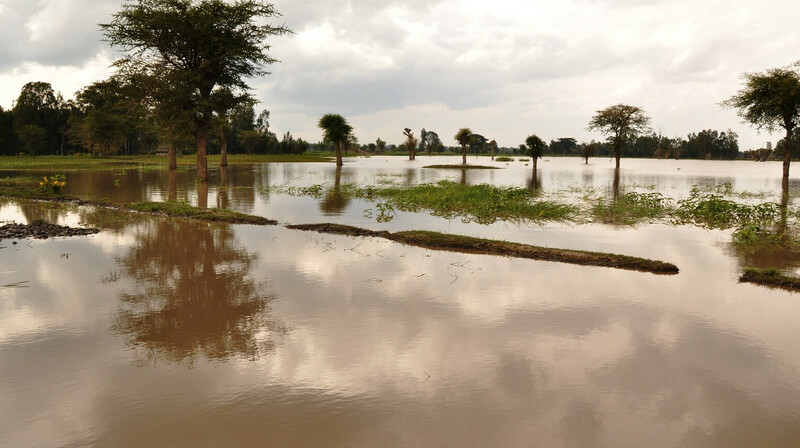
(622, 123)
(198, 46)
(493, 147)
(463, 137)
(337, 131)
(534, 147)
(769, 101)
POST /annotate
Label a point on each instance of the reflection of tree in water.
(334, 202)
(42, 211)
(195, 296)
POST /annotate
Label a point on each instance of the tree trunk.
(338, 147)
(223, 142)
(787, 156)
(173, 157)
(535, 162)
(201, 140)
(617, 154)
(464, 154)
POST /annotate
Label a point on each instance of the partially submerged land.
(471, 245)
(770, 277)
(756, 224)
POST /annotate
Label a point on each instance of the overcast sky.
(504, 68)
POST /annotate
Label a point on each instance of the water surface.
(164, 333)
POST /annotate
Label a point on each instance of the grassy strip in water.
(770, 277)
(85, 162)
(465, 244)
(178, 209)
(463, 167)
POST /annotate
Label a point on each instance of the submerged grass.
(770, 277)
(481, 203)
(178, 209)
(632, 208)
(466, 244)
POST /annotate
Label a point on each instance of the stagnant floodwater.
(168, 333)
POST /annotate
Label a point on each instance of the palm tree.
(337, 131)
(462, 137)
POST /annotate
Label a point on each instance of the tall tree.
(463, 137)
(770, 100)
(535, 147)
(337, 131)
(197, 46)
(622, 123)
(38, 119)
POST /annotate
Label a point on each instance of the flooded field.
(167, 333)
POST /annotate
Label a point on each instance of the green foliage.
(504, 159)
(535, 146)
(53, 184)
(769, 100)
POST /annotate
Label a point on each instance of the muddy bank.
(465, 244)
(41, 230)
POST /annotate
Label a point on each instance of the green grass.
(503, 159)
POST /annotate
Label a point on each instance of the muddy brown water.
(165, 333)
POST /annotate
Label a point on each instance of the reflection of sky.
(393, 345)
(390, 345)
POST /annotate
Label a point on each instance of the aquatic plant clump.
(484, 204)
(714, 211)
(632, 208)
(53, 184)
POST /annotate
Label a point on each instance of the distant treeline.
(104, 120)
